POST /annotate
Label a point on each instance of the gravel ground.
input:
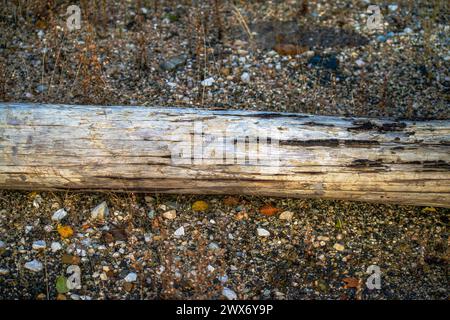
(138, 251)
(320, 60)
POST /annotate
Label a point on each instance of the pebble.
(56, 246)
(229, 294)
(208, 82)
(148, 237)
(286, 215)
(149, 199)
(39, 245)
(3, 272)
(170, 215)
(2, 244)
(408, 30)
(37, 201)
(128, 286)
(103, 276)
(223, 279)
(338, 247)
(174, 63)
(34, 266)
(381, 38)
(360, 63)
(390, 34)
(309, 53)
(100, 211)
(131, 277)
(392, 7)
(41, 88)
(213, 246)
(245, 77)
(179, 232)
(59, 215)
(263, 232)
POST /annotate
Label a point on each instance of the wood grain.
(124, 148)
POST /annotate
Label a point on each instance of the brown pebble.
(128, 286)
(69, 259)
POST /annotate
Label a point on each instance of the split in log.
(173, 150)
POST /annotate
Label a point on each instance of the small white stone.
(2, 244)
(210, 268)
(162, 207)
(310, 53)
(213, 246)
(245, 77)
(393, 7)
(100, 211)
(81, 252)
(229, 294)
(103, 276)
(147, 237)
(131, 277)
(263, 232)
(34, 265)
(179, 232)
(223, 279)
(59, 215)
(170, 215)
(28, 229)
(39, 245)
(286, 215)
(360, 63)
(37, 201)
(208, 82)
(56, 246)
(408, 30)
(338, 247)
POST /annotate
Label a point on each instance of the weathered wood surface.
(56, 147)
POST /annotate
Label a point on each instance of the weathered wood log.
(143, 149)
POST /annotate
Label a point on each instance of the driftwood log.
(173, 150)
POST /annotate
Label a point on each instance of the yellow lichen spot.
(428, 209)
(200, 206)
(65, 231)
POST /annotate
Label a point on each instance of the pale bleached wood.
(123, 148)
